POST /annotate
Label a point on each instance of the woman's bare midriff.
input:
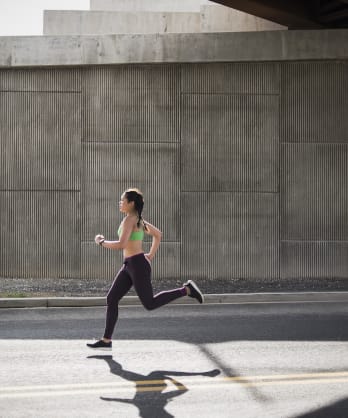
(133, 248)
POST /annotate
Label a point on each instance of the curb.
(227, 298)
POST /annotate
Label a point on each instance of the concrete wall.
(209, 19)
(102, 22)
(148, 5)
(243, 166)
(48, 51)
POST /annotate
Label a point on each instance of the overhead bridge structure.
(296, 14)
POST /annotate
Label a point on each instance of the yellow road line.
(186, 380)
(131, 391)
(291, 382)
(288, 376)
(184, 384)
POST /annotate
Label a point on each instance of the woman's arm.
(156, 239)
(127, 228)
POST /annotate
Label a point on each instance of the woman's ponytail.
(135, 195)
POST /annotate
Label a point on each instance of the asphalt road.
(281, 360)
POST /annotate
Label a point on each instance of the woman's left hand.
(148, 257)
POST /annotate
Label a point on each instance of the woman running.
(136, 269)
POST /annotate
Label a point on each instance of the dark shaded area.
(338, 409)
(296, 14)
(197, 324)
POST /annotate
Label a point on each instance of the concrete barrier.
(43, 51)
(23, 303)
(90, 23)
(64, 302)
(148, 5)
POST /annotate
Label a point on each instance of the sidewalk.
(227, 298)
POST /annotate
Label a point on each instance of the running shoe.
(194, 291)
(100, 345)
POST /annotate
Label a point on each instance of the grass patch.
(13, 295)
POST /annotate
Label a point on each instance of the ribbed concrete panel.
(167, 264)
(314, 192)
(314, 102)
(98, 263)
(230, 235)
(248, 78)
(40, 135)
(112, 168)
(230, 142)
(42, 234)
(66, 22)
(39, 79)
(318, 260)
(131, 104)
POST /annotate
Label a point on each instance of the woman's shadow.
(150, 397)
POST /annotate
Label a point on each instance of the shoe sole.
(193, 284)
(100, 348)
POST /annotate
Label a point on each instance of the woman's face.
(125, 206)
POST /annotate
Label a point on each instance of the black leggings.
(136, 271)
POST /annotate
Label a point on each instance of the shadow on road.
(338, 409)
(150, 397)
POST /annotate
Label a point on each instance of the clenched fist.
(99, 238)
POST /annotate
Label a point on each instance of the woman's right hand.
(99, 238)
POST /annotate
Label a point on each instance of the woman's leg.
(140, 271)
(119, 288)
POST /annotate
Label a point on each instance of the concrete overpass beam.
(225, 19)
(295, 14)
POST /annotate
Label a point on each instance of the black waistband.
(132, 257)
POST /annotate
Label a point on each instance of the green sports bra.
(135, 235)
